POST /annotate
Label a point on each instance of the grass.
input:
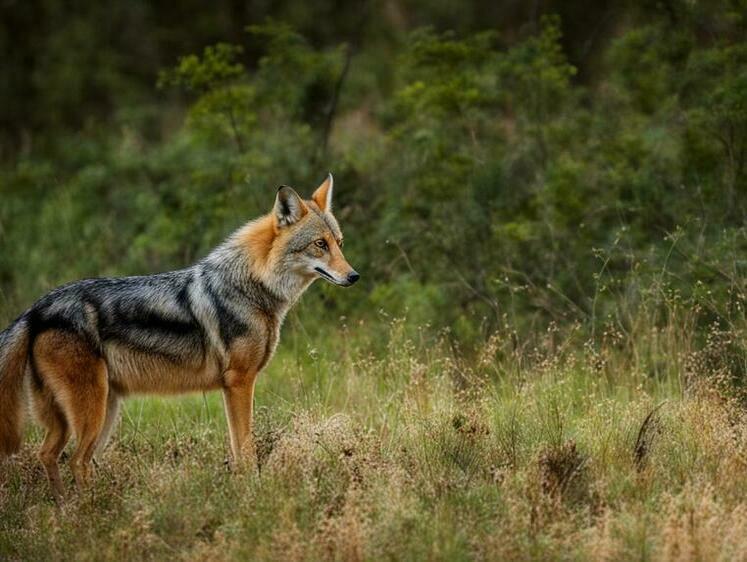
(560, 449)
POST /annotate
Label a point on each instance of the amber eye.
(321, 243)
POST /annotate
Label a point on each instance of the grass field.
(549, 450)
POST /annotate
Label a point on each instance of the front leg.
(238, 398)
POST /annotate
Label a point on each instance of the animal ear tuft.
(323, 194)
(289, 208)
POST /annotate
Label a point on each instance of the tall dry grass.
(628, 444)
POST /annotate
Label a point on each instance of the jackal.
(79, 350)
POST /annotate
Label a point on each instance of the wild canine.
(85, 346)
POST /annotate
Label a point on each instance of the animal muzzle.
(342, 280)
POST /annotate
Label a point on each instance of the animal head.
(307, 239)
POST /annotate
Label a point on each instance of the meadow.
(516, 450)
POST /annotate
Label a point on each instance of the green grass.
(412, 452)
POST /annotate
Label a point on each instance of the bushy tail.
(14, 343)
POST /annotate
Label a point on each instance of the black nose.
(353, 277)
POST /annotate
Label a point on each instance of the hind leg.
(77, 377)
(50, 416)
(113, 406)
(87, 417)
(49, 454)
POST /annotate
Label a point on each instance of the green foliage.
(294, 78)
(482, 175)
(717, 118)
(216, 67)
(535, 75)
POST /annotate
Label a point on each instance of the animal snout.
(353, 276)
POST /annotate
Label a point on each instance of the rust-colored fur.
(77, 379)
(258, 238)
(11, 387)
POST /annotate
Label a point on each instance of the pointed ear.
(289, 208)
(323, 194)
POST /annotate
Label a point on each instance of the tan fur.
(248, 356)
(77, 380)
(238, 397)
(135, 372)
(336, 261)
(11, 396)
(258, 237)
(264, 241)
(322, 194)
(51, 418)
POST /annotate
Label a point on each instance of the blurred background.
(498, 165)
